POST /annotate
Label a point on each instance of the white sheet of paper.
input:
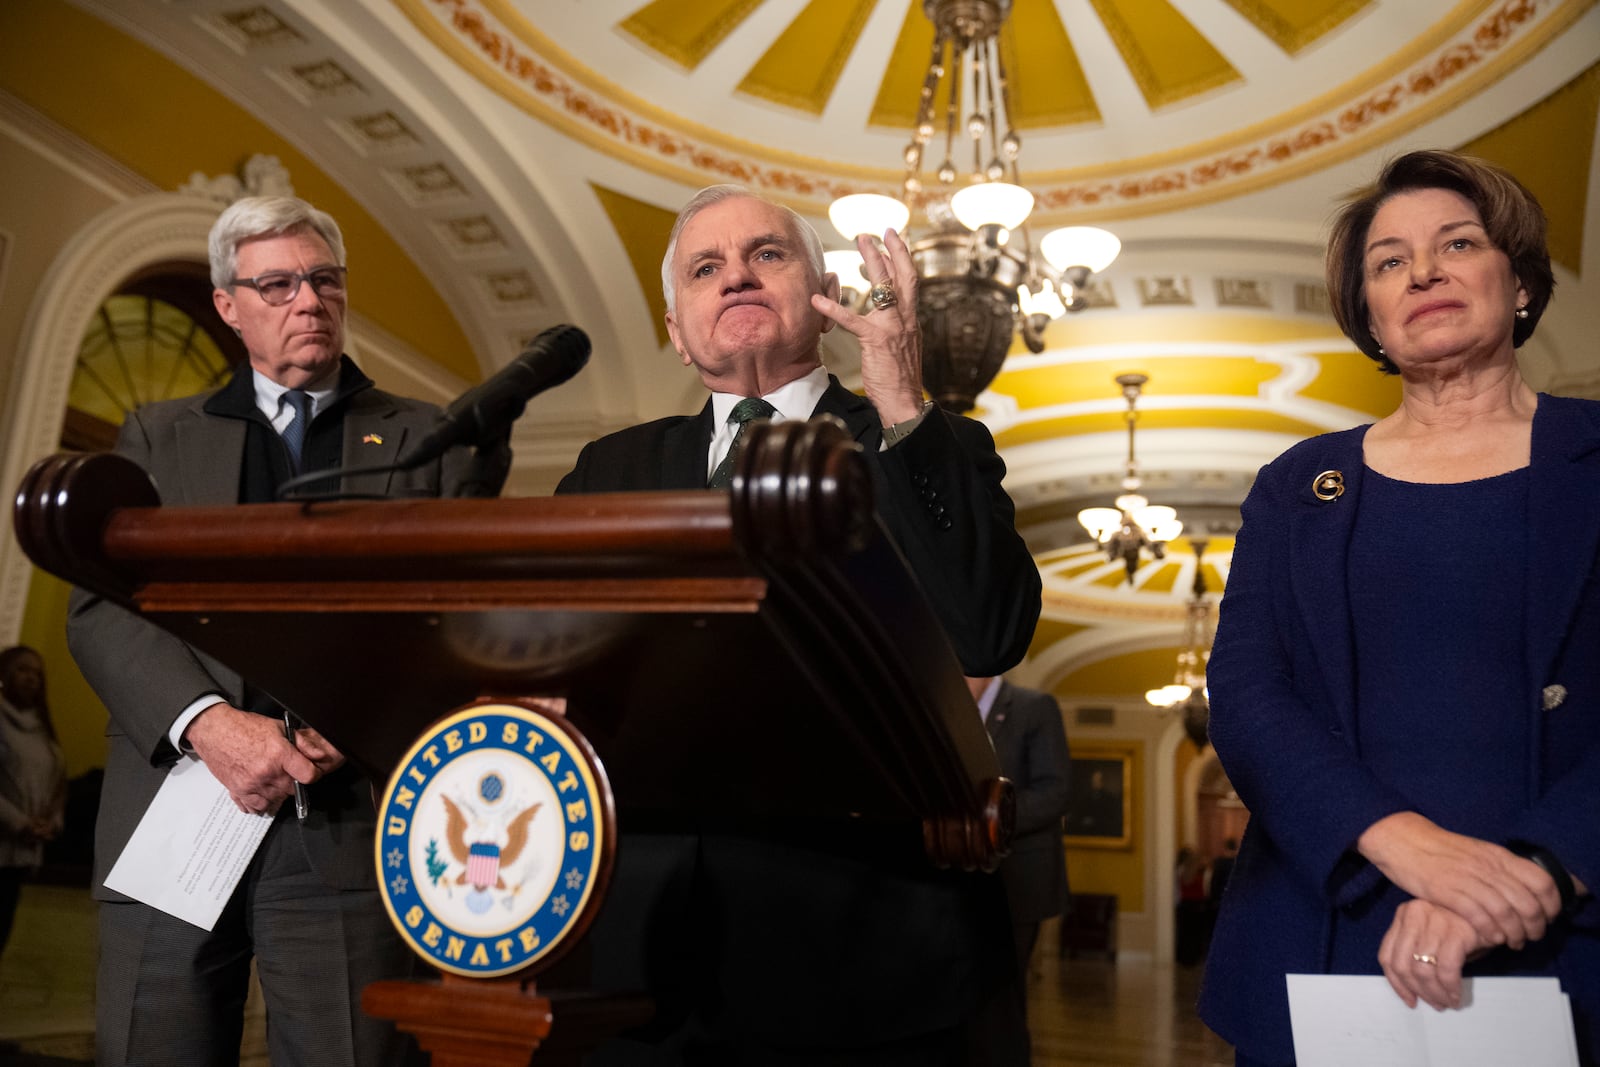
(191, 848)
(1340, 1019)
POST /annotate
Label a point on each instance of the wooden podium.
(372, 619)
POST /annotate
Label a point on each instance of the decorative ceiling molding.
(585, 108)
(1467, 50)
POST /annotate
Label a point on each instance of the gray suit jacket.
(146, 676)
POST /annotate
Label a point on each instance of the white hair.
(265, 216)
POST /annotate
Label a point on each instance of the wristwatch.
(893, 435)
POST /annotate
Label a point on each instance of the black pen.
(301, 806)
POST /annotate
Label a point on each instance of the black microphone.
(484, 413)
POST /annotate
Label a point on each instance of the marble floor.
(1083, 1012)
(47, 985)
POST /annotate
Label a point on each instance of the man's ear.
(672, 332)
(222, 300)
(830, 289)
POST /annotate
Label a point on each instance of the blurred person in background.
(33, 779)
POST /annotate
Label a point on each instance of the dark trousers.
(1194, 920)
(761, 953)
(1024, 936)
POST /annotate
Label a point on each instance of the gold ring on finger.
(882, 296)
(1425, 957)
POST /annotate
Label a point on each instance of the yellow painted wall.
(1117, 871)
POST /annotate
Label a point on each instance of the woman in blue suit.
(1405, 685)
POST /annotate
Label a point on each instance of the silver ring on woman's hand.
(882, 296)
(1425, 957)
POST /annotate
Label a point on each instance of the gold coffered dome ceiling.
(1126, 107)
(1168, 58)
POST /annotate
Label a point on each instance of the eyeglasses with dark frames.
(278, 287)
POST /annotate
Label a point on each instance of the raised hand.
(891, 342)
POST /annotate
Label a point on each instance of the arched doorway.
(144, 237)
(157, 337)
(122, 316)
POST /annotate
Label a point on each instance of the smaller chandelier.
(1132, 524)
(982, 280)
(1186, 694)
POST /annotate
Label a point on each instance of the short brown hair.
(1512, 218)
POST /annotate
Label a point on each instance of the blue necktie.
(743, 414)
(294, 434)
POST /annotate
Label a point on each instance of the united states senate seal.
(495, 840)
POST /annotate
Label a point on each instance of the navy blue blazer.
(1283, 717)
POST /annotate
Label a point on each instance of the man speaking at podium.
(307, 908)
(748, 302)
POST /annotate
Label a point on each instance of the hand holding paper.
(1424, 932)
(249, 755)
(191, 848)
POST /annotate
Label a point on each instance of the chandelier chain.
(1130, 389)
(952, 110)
(983, 281)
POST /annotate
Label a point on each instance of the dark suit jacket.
(769, 943)
(1031, 742)
(146, 676)
(938, 493)
(1283, 716)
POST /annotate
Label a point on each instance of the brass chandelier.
(981, 279)
(1186, 694)
(1132, 524)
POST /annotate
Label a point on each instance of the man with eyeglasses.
(307, 908)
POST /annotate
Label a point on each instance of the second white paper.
(1343, 1019)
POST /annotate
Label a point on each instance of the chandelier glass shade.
(991, 204)
(1132, 524)
(847, 265)
(981, 280)
(872, 213)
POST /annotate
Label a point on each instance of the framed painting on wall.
(1099, 807)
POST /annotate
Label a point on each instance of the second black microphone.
(484, 413)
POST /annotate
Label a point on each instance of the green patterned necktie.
(744, 412)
